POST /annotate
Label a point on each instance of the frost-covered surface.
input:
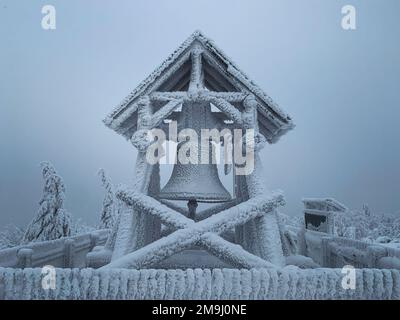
(108, 212)
(52, 220)
(197, 47)
(190, 233)
(336, 252)
(368, 226)
(11, 236)
(301, 262)
(54, 252)
(286, 283)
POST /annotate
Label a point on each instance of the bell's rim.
(205, 198)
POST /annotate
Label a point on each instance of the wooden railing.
(336, 252)
(63, 253)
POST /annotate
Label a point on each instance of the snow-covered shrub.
(292, 221)
(78, 227)
(367, 226)
(108, 214)
(11, 236)
(52, 220)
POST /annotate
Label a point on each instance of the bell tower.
(239, 230)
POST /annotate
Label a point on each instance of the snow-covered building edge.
(216, 284)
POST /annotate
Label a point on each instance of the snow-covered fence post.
(24, 256)
(302, 241)
(325, 251)
(69, 253)
(374, 254)
(94, 239)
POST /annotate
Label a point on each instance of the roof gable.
(220, 75)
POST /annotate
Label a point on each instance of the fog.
(340, 87)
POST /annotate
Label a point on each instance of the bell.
(199, 182)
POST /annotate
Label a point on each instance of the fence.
(286, 283)
(336, 252)
(66, 252)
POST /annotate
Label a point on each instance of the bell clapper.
(192, 205)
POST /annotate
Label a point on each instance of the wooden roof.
(220, 76)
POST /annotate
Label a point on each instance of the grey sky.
(340, 87)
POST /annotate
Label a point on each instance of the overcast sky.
(342, 89)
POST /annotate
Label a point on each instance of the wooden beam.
(204, 95)
(182, 74)
(196, 74)
(223, 105)
(214, 68)
(205, 232)
(218, 208)
(164, 112)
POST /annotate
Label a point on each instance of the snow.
(10, 236)
(52, 221)
(368, 226)
(190, 233)
(302, 262)
(108, 212)
(54, 251)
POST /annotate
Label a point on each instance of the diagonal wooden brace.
(206, 232)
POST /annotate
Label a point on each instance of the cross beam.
(201, 95)
(189, 233)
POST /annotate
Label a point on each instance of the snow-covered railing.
(313, 240)
(336, 252)
(286, 283)
(64, 252)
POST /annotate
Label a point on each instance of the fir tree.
(52, 220)
(107, 215)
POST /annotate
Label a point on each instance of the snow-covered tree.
(368, 226)
(11, 236)
(108, 211)
(78, 227)
(52, 220)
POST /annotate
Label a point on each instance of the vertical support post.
(196, 74)
(133, 227)
(94, 239)
(326, 252)
(24, 256)
(153, 223)
(261, 235)
(69, 253)
(302, 241)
